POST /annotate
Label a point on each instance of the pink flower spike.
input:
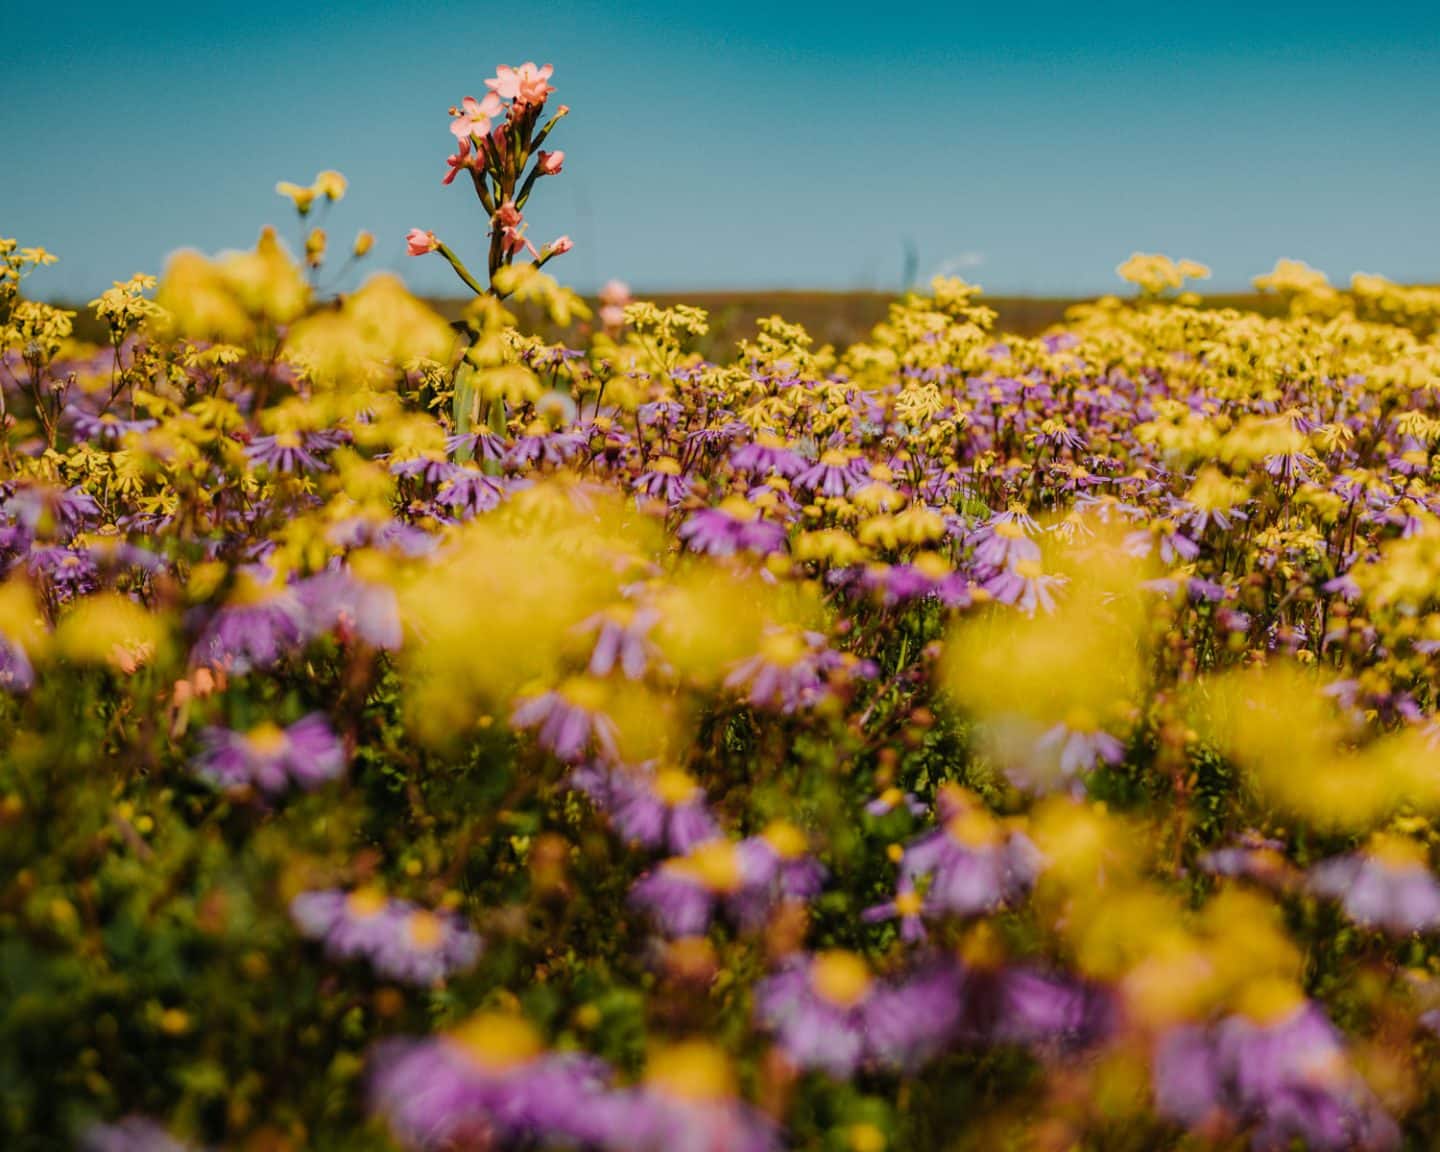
(550, 163)
(419, 242)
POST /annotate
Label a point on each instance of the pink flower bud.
(419, 242)
(550, 163)
(507, 215)
(560, 245)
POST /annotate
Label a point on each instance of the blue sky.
(1029, 146)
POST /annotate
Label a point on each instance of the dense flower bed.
(430, 737)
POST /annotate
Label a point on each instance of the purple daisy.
(1388, 886)
(657, 809)
(271, 758)
(401, 940)
(1281, 1071)
(733, 526)
(570, 721)
(488, 1082)
(687, 1103)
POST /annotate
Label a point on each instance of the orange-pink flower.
(559, 246)
(419, 242)
(550, 163)
(525, 85)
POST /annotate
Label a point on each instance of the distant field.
(831, 317)
(841, 317)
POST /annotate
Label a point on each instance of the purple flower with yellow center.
(289, 451)
(664, 481)
(974, 864)
(430, 468)
(767, 454)
(682, 894)
(1175, 548)
(105, 428)
(401, 941)
(1005, 543)
(662, 808)
(788, 673)
(687, 1102)
(817, 1008)
(1254, 857)
(131, 1134)
(1278, 1068)
(777, 868)
(1026, 586)
(622, 639)
(1387, 886)
(892, 799)
(836, 473)
(570, 721)
(488, 1083)
(734, 525)
(482, 444)
(257, 626)
(1081, 744)
(830, 1013)
(541, 445)
(470, 490)
(271, 758)
(52, 512)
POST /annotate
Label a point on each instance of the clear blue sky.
(1032, 146)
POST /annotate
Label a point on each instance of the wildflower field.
(432, 736)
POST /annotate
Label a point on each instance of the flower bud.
(418, 242)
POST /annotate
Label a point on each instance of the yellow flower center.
(496, 1041)
(932, 565)
(584, 693)
(693, 1071)
(975, 828)
(783, 649)
(666, 466)
(908, 904)
(267, 739)
(673, 787)
(834, 459)
(1270, 1001)
(425, 930)
(365, 903)
(1080, 719)
(786, 839)
(1396, 851)
(840, 977)
(716, 865)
